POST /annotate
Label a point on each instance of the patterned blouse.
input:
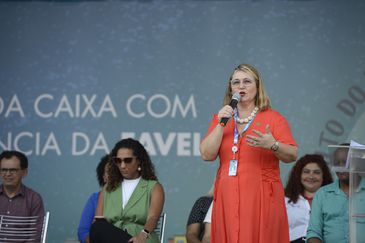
(198, 212)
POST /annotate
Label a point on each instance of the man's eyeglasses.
(339, 162)
(11, 171)
(119, 161)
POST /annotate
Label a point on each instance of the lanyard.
(235, 137)
(234, 162)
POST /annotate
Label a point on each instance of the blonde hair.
(262, 99)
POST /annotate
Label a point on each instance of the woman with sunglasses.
(131, 203)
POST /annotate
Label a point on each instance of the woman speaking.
(249, 197)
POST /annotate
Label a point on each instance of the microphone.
(235, 98)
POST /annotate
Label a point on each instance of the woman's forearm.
(209, 147)
(286, 153)
(155, 210)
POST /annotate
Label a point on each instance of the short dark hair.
(8, 154)
(100, 169)
(343, 147)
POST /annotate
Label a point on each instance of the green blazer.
(133, 217)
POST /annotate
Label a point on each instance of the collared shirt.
(26, 203)
(298, 217)
(330, 215)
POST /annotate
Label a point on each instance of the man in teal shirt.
(329, 215)
(330, 208)
(358, 210)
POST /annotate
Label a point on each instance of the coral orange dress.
(250, 207)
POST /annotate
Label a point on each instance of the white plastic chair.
(22, 228)
(160, 227)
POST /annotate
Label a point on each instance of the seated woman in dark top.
(195, 226)
(132, 201)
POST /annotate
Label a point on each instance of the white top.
(128, 187)
(298, 217)
(208, 216)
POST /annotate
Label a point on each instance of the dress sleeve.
(194, 216)
(281, 130)
(213, 124)
(199, 210)
(87, 217)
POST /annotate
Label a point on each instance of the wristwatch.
(146, 232)
(275, 146)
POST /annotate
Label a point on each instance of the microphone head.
(236, 96)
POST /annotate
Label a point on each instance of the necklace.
(249, 118)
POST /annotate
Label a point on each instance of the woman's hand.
(140, 238)
(225, 112)
(262, 140)
(210, 145)
(285, 152)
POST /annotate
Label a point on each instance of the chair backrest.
(22, 228)
(160, 227)
(45, 227)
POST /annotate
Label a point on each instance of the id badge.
(232, 167)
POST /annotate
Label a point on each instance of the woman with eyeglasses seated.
(308, 174)
(131, 203)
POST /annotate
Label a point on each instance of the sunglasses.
(119, 161)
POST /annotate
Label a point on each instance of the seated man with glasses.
(329, 217)
(15, 198)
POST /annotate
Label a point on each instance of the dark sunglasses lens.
(128, 160)
(117, 160)
(125, 160)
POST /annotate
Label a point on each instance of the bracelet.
(146, 232)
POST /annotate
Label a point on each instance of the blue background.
(311, 55)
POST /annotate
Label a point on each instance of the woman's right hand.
(210, 145)
(225, 112)
(140, 238)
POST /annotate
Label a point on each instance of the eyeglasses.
(245, 82)
(339, 162)
(119, 161)
(11, 171)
